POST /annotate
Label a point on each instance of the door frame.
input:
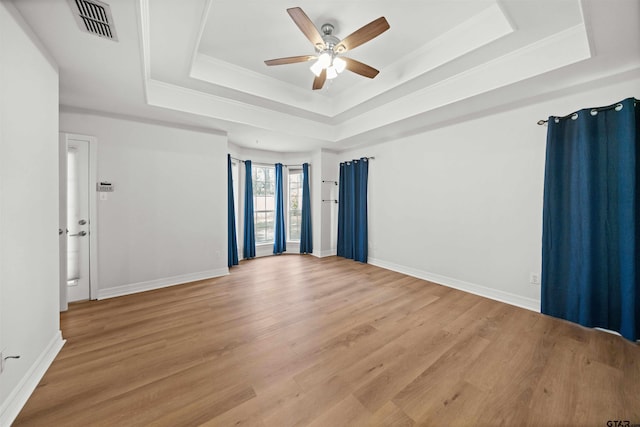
(93, 214)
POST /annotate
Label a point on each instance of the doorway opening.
(78, 218)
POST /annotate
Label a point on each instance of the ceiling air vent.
(94, 17)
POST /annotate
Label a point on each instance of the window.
(264, 183)
(295, 203)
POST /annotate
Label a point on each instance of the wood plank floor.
(296, 340)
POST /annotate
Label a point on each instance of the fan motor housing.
(327, 35)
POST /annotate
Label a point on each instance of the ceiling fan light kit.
(328, 64)
(339, 64)
(317, 68)
(331, 73)
(325, 60)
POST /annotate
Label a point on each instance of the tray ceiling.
(200, 63)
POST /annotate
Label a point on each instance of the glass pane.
(258, 188)
(264, 202)
(73, 215)
(260, 226)
(295, 222)
(258, 181)
(270, 226)
(295, 204)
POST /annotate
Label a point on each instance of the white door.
(78, 216)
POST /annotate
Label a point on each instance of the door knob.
(82, 233)
(59, 231)
(82, 222)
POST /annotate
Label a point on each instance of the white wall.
(462, 205)
(29, 319)
(330, 171)
(317, 194)
(165, 223)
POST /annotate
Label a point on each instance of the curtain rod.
(363, 157)
(240, 160)
(617, 106)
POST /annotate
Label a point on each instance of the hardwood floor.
(296, 340)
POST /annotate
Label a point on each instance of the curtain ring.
(557, 120)
(574, 116)
(594, 112)
(618, 107)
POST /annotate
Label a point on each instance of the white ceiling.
(200, 63)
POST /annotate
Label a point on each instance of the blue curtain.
(306, 235)
(279, 236)
(353, 240)
(232, 243)
(341, 217)
(249, 249)
(591, 227)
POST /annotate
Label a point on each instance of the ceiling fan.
(328, 48)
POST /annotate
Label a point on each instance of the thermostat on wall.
(104, 187)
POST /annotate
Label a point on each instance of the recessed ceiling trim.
(216, 71)
(559, 50)
(203, 22)
(487, 26)
(94, 17)
(166, 95)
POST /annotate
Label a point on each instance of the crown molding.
(225, 74)
(559, 50)
(556, 51)
(489, 25)
(166, 95)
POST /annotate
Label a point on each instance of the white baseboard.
(160, 283)
(483, 291)
(17, 399)
(326, 253)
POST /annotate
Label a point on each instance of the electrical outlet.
(534, 278)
